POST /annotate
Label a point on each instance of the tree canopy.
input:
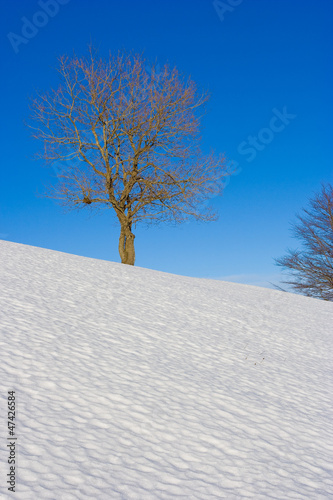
(311, 268)
(128, 139)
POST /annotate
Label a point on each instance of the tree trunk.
(126, 245)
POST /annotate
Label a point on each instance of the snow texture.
(137, 384)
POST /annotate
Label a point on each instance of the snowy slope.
(136, 384)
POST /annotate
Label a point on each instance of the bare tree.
(128, 139)
(311, 269)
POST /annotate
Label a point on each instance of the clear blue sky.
(258, 58)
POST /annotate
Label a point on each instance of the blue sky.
(260, 59)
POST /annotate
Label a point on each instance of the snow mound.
(137, 384)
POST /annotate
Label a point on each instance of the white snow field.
(137, 384)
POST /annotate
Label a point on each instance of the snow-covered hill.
(136, 384)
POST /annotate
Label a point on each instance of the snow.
(137, 384)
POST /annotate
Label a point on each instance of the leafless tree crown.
(128, 139)
(311, 269)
